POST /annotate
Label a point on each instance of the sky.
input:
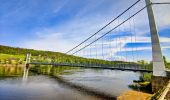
(59, 25)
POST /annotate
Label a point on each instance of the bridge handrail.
(166, 89)
(121, 66)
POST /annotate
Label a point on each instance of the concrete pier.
(158, 82)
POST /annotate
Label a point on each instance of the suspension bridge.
(111, 39)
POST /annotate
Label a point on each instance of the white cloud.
(65, 36)
(118, 45)
(162, 14)
(50, 42)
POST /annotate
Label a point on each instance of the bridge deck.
(119, 67)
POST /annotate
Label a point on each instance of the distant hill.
(11, 53)
(16, 51)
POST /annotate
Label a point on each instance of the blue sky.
(58, 25)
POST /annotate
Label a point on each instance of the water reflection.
(111, 82)
(8, 71)
(55, 71)
(38, 88)
(64, 83)
(25, 75)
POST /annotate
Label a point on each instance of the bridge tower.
(157, 58)
(159, 79)
(26, 67)
(28, 58)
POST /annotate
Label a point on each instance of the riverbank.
(134, 95)
(11, 65)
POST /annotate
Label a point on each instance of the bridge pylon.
(28, 58)
(26, 67)
(159, 78)
(157, 58)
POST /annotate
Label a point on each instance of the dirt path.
(133, 95)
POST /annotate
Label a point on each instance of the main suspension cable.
(104, 26)
(113, 28)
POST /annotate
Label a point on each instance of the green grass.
(168, 66)
(7, 56)
(11, 59)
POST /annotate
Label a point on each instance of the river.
(64, 83)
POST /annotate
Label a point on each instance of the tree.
(142, 62)
(165, 61)
(164, 58)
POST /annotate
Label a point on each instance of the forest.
(15, 55)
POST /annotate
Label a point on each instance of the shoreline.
(11, 65)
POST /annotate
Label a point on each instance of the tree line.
(10, 55)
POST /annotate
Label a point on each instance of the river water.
(64, 83)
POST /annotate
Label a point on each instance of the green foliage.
(167, 65)
(12, 55)
(146, 77)
(11, 59)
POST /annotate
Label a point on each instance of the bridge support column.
(28, 58)
(157, 58)
(26, 67)
(158, 83)
(159, 79)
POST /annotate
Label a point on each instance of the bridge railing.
(116, 66)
